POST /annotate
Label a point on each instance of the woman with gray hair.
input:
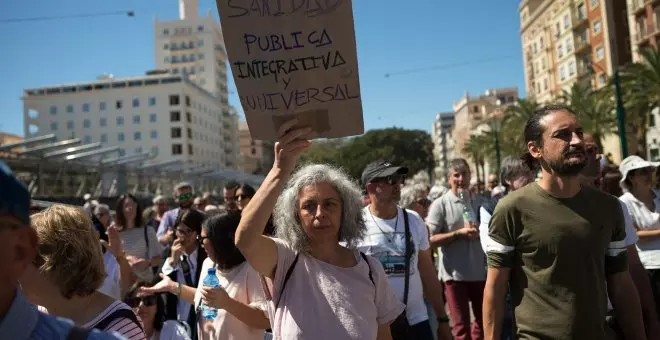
(414, 197)
(321, 286)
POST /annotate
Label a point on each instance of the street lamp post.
(620, 115)
(495, 126)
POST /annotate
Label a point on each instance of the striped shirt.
(134, 244)
(124, 326)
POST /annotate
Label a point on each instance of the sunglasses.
(200, 239)
(423, 201)
(146, 300)
(183, 197)
(391, 180)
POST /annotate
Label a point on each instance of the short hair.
(119, 211)
(459, 164)
(409, 194)
(159, 198)
(286, 218)
(220, 230)
(533, 131)
(69, 251)
(183, 186)
(232, 185)
(193, 219)
(512, 168)
(101, 208)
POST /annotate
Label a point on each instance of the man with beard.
(183, 195)
(406, 258)
(228, 194)
(557, 244)
(589, 177)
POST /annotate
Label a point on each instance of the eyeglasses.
(391, 180)
(200, 239)
(184, 197)
(146, 300)
(184, 230)
(423, 201)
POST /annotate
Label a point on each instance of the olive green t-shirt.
(560, 251)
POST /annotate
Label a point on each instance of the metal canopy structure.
(28, 142)
(51, 146)
(72, 150)
(160, 164)
(92, 153)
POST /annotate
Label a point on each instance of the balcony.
(582, 46)
(584, 70)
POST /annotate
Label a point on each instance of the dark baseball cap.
(14, 196)
(381, 169)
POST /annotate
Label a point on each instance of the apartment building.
(565, 41)
(168, 116)
(443, 144)
(257, 156)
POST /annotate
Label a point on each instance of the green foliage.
(412, 148)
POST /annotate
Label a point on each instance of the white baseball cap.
(633, 163)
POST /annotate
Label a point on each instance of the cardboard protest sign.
(294, 58)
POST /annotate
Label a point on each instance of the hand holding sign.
(294, 59)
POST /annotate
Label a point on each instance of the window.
(166, 32)
(201, 69)
(70, 125)
(200, 43)
(190, 149)
(104, 138)
(189, 133)
(153, 134)
(87, 124)
(69, 109)
(53, 110)
(119, 104)
(87, 140)
(651, 120)
(166, 47)
(122, 152)
(53, 126)
(188, 117)
(597, 27)
(562, 73)
(136, 102)
(152, 101)
(174, 99)
(200, 28)
(545, 84)
(85, 107)
(153, 117)
(120, 121)
(201, 56)
(136, 119)
(175, 116)
(202, 82)
(560, 50)
(534, 48)
(102, 106)
(602, 79)
(177, 149)
(582, 12)
(137, 135)
(103, 122)
(167, 59)
(594, 3)
(187, 101)
(176, 132)
(544, 64)
(571, 68)
(655, 153)
(600, 53)
(541, 42)
(120, 137)
(154, 151)
(567, 21)
(569, 45)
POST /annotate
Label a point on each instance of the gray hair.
(159, 198)
(285, 215)
(182, 185)
(410, 193)
(101, 208)
(512, 168)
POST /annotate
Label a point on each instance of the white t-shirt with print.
(386, 241)
(645, 219)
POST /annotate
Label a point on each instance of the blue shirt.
(23, 321)
(167, 221)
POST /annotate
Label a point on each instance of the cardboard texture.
(294, 58)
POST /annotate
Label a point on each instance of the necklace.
(389, 236)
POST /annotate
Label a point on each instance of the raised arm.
(259, 250)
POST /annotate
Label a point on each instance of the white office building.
(166, 115)
(443, 144)
(193, 46)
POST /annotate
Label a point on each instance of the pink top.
(322, 301)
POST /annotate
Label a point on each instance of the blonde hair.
(69, 251)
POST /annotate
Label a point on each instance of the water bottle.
(209, 313)
(468, 216)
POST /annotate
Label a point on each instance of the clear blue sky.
(390, 38)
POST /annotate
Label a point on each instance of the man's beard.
(568, 168)
(185, 205)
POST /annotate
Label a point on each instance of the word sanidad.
(277, 8)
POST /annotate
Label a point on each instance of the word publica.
(276, 8)
(278, 42)
(257, 69)
(299, 97)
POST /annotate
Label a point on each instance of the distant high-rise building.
(443, 144)
(565, 41)
(193, 46)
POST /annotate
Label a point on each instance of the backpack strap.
(364, 257)
(118, 314)
(409, 251)
(286, 279)
(78, 333)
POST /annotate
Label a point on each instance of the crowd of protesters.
(561, 244)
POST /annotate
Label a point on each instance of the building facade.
(257, 156)
(566, 41)
(443, 144)
(168, 116)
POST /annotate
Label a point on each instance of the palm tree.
(475, 148)
(641, 93)
(513, 124)
(595, 109)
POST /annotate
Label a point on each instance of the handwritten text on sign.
(294, 57)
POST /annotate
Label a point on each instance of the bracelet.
(177, 289)
(444, 319)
